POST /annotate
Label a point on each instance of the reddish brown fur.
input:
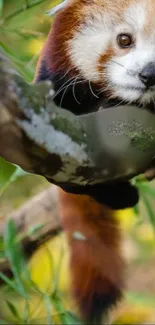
(103, 60)
(55, 49)
(96, 263)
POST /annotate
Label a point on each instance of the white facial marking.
(136, 15)
(124, 71)
(99, 33)
(88, 44)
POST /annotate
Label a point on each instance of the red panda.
(99, 49)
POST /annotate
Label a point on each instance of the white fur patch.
(136, 15)
(123, 70)
(88, 44)
(97, 34)
(125, 75)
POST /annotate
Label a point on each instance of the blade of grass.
(66, 317)
(7, 171)
(1, 7)
(48, 306)
(19, 11)
(56, 277)
(58, 306)
(72, 319)
(26, 313)
(149, 210)
(145, 187)
(14, 254)
(18, 64)
(136, 209)
(13, 309)
(11, 284)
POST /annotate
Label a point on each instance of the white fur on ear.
(57, 8)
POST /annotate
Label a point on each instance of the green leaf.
(18, 64)
(7, 171)
(12, 248)
(13, 309)
(55, 281)
(2, 253)
(26, 313)
(58, 306)
(66, 317)
(11, 284)
(146, 188)
(150, 212)
(14, 254)
(34, 229)
(1, 244)
(48, 306)
(136, 209)
(1, 7)
(72, 319)
(18, 173)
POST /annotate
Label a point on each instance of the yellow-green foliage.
(24, 25)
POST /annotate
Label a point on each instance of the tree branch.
(40, 210)
(41, 138)
(34, 134)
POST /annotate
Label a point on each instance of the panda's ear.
(58, 8)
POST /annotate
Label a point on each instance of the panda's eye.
(125, 40)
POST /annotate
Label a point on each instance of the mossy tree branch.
(44, 139)
(35, 135)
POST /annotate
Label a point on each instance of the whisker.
(65, 89)
(119, 103)
(90, 87)
(72, 82)
(104, 89)
(65, 74)
(75, 82)
(62, 87)
(120, 64)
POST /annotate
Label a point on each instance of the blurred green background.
(24, 25)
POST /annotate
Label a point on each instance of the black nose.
(147, 76)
